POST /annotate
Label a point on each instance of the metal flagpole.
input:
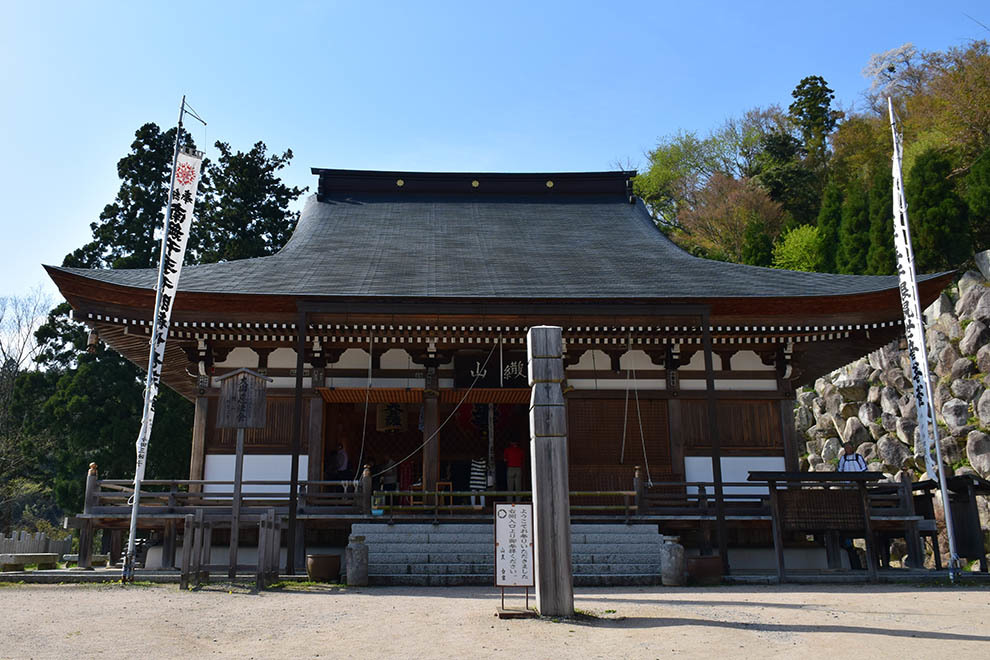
(914, 329)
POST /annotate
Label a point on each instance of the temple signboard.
(505, 370)
(514, 545)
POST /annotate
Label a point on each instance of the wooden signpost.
(242, 406)
(514, 565)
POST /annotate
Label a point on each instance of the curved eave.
(88, 293)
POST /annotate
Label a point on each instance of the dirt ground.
(61, 621)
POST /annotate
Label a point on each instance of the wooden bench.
(98, 560)
(16, 561)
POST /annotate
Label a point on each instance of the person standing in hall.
(850, 461)
(514, 457)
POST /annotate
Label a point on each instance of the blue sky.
(495, 86)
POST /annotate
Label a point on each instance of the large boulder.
(962, 368)
(983, 359)
(868, 412)
(982, 260)
(978, 452)
(967, 389)
(982, 311)
(908, 406)
(825, 467)
(806, 399)
(976, 336)
(848, 410)
(949, 325)
(852, 389)
(893, 453)
(890, 401)
(945, 359)
(833, 402)
(983, 408)
(831, 449)
(951, 451)
(955, 412)
(905, 431)
(855, 432)
(873, 396)
(876, 431)
(940, 394)
(813, 446)
(868, 450)
(804, 419)
(889, 421)
(941, 305)
(970, 285)
(938, 340)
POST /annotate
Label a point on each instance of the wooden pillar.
(314, 436)
(297, 413)
(431, 446)
(197, 456)
(168, 544)
(548, 461)
(716, 442)
(235, 506)
(116, 545)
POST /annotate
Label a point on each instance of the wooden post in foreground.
(548, 458)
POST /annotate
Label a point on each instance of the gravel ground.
(61, 621)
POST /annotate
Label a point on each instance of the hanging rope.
(367, 398)
(449, 417)
(594, 368)
(642, 436)
(625, 414)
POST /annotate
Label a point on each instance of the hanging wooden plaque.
(242, 400)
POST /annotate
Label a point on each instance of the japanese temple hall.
(411, 293)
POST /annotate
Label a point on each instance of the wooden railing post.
(912, 538)
(187, 551)
(91, 499)
(365, 488)
(640, 489)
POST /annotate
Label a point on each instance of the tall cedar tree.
(757, 247)
(854, 231)
(939, 217)
(812, 112)
(248, 212)
(881, 258)
(829, 219)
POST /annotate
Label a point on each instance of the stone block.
(983, 408)
(967, 389)
(982, 260)
(969, 292)
(978, 452)
(955, 412)
(976, 336)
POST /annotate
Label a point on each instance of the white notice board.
(514, 545)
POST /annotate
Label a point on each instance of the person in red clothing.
(514, 457)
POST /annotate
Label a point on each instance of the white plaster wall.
(617, 384)
(282, 358)
(240, 357)
(734, 469)
(697, 362)
(259, 467)
(749, 361)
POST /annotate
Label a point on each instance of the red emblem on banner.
(185, 174)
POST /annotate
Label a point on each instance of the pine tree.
(939, 217)
(881, 258)
(829, 219)
(757, 249)
(854, 231)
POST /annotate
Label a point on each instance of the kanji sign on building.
(514, 545)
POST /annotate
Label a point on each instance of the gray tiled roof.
(463, 246)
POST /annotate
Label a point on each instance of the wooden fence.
(26, 542)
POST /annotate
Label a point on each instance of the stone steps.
(449, 554)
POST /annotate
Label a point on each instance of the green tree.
(854, 231)
(978, 199)
(813, 114)
(799, 249)
(881, 258)
(757, 249)
(938, 216)
(781, 169)
(829, 220)
(247, 213)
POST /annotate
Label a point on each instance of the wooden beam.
(197, 456)
(716, 443)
